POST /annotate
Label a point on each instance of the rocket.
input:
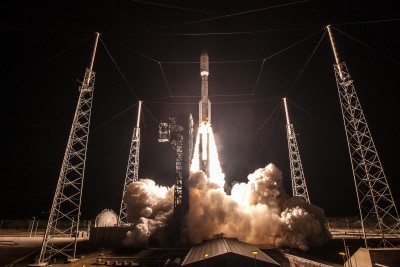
(205, 103)
(204, 117)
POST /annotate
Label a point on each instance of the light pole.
(205, 259)
(33, 224)
(255, 257)
(343, 255)
(37, 224)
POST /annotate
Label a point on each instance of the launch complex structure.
(378, 211)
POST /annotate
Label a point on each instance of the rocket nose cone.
(204, 53)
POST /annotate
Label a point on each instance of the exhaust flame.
(205, 134)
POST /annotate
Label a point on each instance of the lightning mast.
(377, 209)
(66, 207)
(299, 186)
(132, 171)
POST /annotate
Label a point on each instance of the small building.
(106, 218)
(226, 252)
(370, 257)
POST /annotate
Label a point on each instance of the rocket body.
(204, 117)
(204, 104)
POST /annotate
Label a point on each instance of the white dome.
(106, 218)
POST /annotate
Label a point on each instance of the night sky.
(260, 51)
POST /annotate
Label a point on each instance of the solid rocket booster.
(205, 103)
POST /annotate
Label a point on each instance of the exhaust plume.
(257, 212)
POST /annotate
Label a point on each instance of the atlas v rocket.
(204, 117)
(205, 103)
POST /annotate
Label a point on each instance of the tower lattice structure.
(172, 132)
(299, 186)
(379, 215)
(65, 211)
(132, 171)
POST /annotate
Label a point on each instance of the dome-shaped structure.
(106, 218)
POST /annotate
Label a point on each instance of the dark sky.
(151, 50)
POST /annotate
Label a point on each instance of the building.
(226, 252)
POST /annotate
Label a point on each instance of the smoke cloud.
(149, 209)
(257, 212)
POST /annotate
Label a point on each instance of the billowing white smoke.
(257, 212)
(149, 208)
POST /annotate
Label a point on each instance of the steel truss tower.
(132, 171)
(299, 186)
(63, 224)
(172, 132)
(379, 215)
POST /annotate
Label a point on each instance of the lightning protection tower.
(378, 211)
(132, 171)
(65, 211)
(299, 186)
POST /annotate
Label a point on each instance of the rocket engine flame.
(205, 136)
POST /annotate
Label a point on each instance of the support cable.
(175, 7)
(368, 46)
(53, 57)
(231, 15)
(259, 129)
(305, 65)
(366, 22)
(165, 79)
(116, 65)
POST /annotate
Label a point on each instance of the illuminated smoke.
(257, 212)
(149, 208)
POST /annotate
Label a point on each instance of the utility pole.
(68, 195)
(299, 186)
(132, 171)
(375, 201)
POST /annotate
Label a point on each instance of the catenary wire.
(370, 47)
(305, 65)
(230, 15)
(118, 68)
